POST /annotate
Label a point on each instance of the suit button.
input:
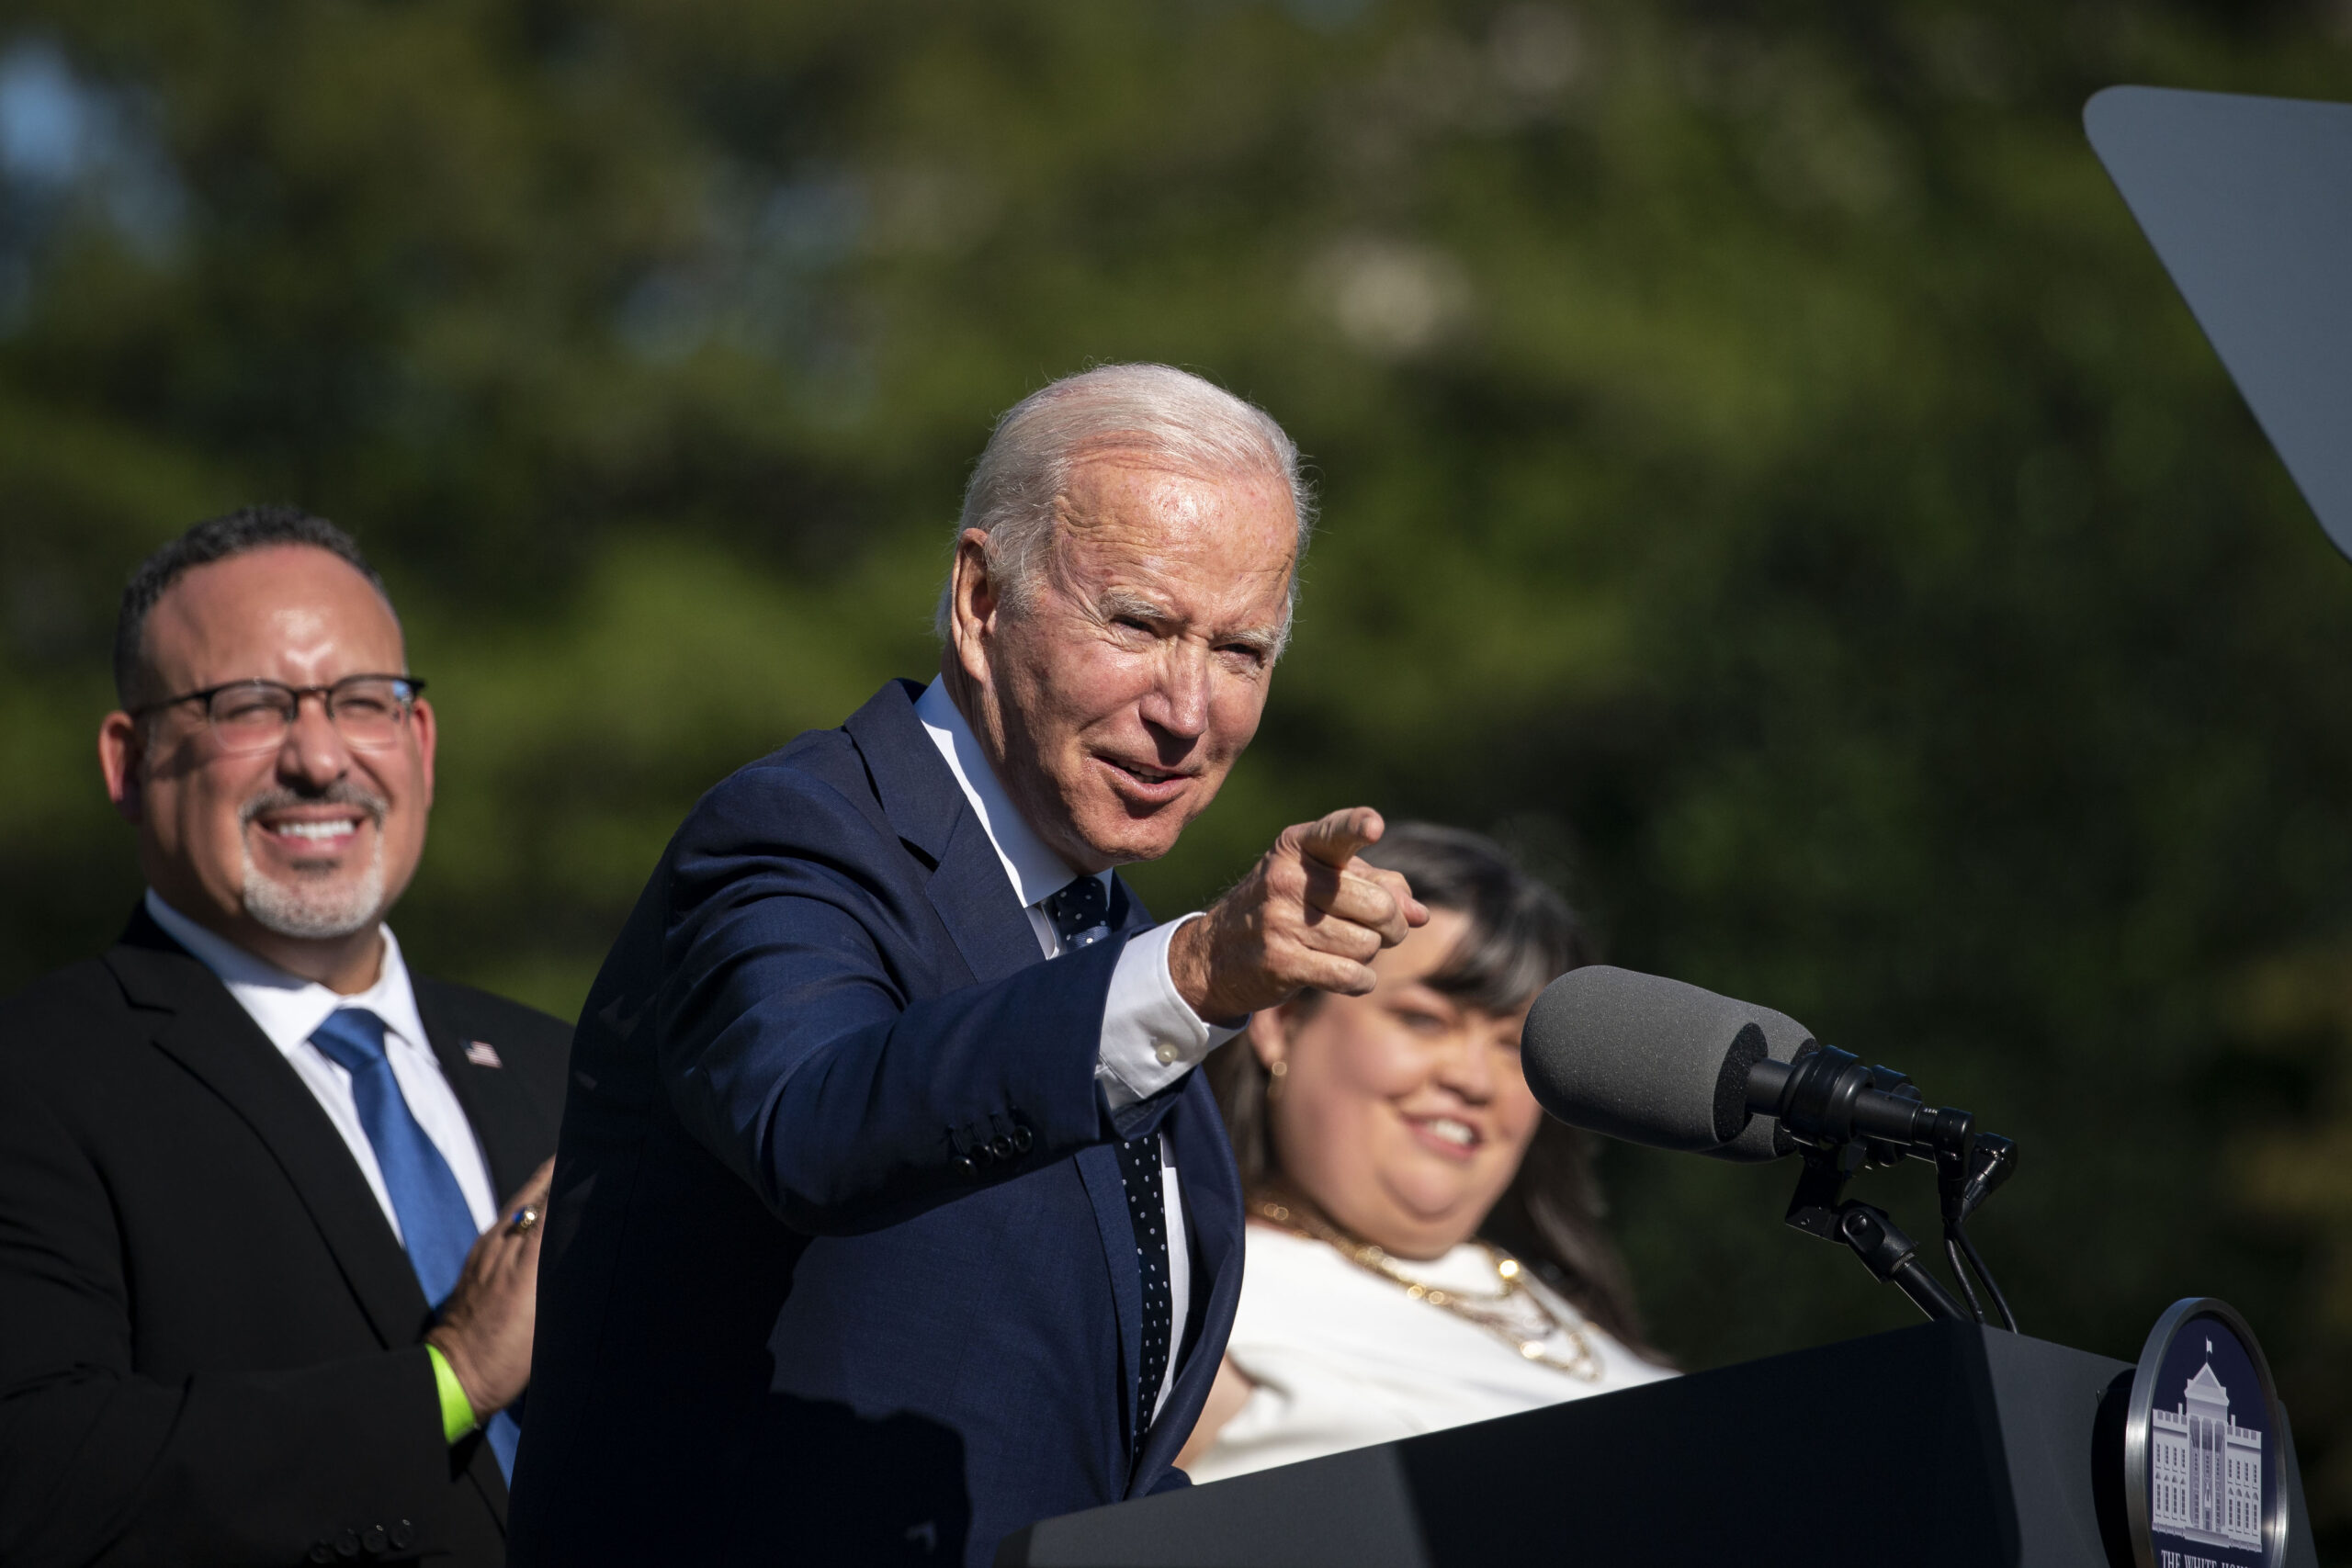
(403, 1535)
(967, 1165)
(1021, 1140)
(348, 1544)
(1001, 1146)
(322, 1552)
(373, 1539)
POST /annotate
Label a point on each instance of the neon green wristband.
(457, 1413)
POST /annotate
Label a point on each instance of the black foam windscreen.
(1643, 1058)
(1762, 1140)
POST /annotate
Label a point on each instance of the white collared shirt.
(1151, 1036)
(288, 1009)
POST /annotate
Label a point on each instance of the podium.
(1947, 1443)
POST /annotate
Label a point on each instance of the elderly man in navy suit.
(889, 1214)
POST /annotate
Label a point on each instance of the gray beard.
(312, 910)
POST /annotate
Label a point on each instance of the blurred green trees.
(1767, 477)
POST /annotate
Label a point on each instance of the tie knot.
(1081, 912)
(352, 1038)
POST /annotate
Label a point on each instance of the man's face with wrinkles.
(1115, 703)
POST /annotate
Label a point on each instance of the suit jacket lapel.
(502, 1114)
(1212, 1188)
(1098, 1167)
(202, 1027)
(975, 900)
(927, 809)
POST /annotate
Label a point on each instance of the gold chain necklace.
(1583, 1364)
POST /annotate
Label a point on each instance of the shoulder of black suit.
(167, 976)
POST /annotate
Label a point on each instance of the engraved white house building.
(2206, 1482)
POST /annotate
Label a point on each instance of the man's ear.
(121, 753)
(973, 599)
(427, 737)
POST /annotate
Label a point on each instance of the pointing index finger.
(1334, 839)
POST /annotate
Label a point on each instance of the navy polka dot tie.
(1081, 917)
(1139, 1179)
(1081, 913)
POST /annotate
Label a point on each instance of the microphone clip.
(1844, 1117)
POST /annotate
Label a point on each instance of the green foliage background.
(1768, 478)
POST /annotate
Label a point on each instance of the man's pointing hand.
(1309, 913)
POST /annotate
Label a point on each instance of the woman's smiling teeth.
(1461, 1134)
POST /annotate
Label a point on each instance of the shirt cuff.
(457, 1415)
(1151, 1036)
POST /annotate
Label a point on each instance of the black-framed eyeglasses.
(367, 711)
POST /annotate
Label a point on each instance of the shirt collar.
(287, 1008)
(1034, 871)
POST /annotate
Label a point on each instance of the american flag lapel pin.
(482, 1053)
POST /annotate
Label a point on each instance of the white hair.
(1155, 416)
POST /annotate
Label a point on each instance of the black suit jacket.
(211, 1344)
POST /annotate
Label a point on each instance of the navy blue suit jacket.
(838, 1268)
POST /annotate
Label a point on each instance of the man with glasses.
(260, 1300)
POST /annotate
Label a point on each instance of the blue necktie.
(436, 1225)
(1081, 917)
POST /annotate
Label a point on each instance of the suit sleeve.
(100, 1465)
(795, 1047)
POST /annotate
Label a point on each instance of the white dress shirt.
(1151, 1036)
(288, 1008)
(1342, 1357)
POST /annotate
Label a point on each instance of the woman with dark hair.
(1425, 1244)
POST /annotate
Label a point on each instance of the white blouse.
(1343, 1358)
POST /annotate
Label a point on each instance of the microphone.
(1653, 1061)
(1658, 1062)
(1646, 1059)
